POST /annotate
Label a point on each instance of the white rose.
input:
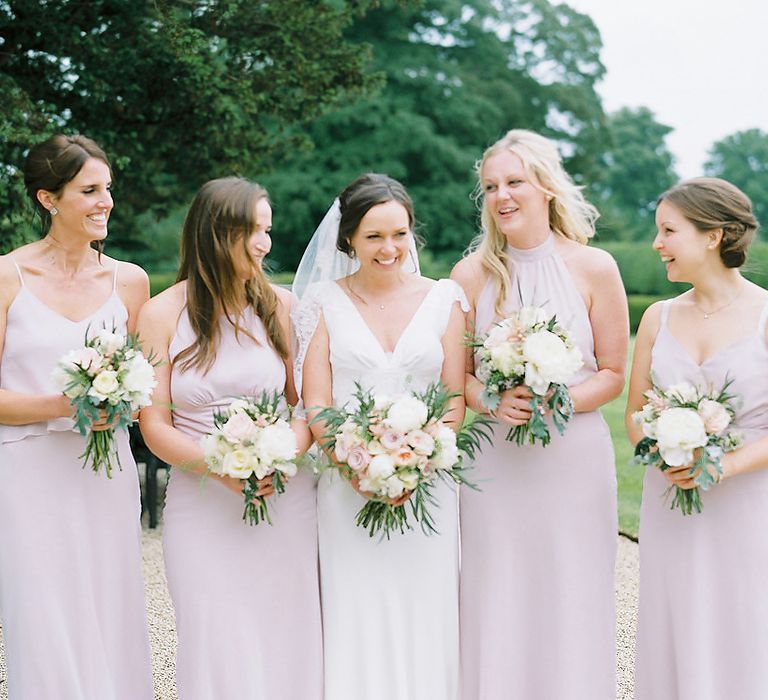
(276, 443)
(679, 431)
(108, 342)
(684, 391)
(104, 385)
(374, 447)
(406, 414)
(506, 358)
(715, 417)
(238, 464)
(380, 467)
(421, 442)
(499, 334)
(239, 427)
(549, 360)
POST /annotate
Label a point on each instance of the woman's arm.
(317, 386)
(640, 376)
(454, 365)
(609, 318)
(299, 425)
(156, 326)
(17, 408)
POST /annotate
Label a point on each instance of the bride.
(390, 607)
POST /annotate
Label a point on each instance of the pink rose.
(238, 427)
(715, 417)
(422, 442)
(391, 439)
(358, 458)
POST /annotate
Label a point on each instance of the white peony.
(715, 417)
(238, 464)
(406, 414)
(679, 431)
(238, 428)
(104, 385)
(394, 486)
(214, 449)
(448, 454)
(138, 377)
(549, 360)
(380, 467)
(276, 443)
(529, 316)
(288, 469)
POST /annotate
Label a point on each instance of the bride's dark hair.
(222, 216)
(360, 195)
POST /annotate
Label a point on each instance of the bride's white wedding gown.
(390, 607)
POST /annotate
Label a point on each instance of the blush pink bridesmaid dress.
(538, 543)
(71, 588)
(703, 617)
(246, 598)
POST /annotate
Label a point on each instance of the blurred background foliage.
(302, 97)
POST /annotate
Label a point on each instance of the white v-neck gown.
(390, 607)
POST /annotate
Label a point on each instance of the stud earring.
(53, 211)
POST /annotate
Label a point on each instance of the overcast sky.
(701, 67)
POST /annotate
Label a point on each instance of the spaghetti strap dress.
(246, 598)
(703, 613)
(71, 587)
(539, 540)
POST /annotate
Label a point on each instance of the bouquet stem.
(100, 450)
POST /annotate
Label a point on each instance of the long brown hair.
(222, 215)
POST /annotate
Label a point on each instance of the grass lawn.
(629, 476)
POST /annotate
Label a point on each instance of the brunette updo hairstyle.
(710, 203)
(359, 196)
(50, 165)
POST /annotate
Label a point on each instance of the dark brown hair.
(360, 195)
(50, 165)
(222, 215)
(710, 203)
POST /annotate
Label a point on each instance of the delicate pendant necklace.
(708, 314)
(357, 296)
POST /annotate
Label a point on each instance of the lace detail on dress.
(305, 316)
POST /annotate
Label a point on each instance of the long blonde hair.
(222, 215)
(570, 214)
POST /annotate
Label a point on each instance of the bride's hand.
(368, 494)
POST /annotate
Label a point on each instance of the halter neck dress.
(539, 541)
(703, 615)
(246, 598)
(71, 587)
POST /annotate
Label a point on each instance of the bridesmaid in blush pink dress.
(71, 589)
(703, 617)
(246, 598)
(538, 542)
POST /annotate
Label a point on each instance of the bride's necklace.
(707, 314)
(357, 296)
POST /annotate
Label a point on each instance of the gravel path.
(163, 635)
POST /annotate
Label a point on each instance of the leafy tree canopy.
(458, 75)
(742, 158)
(176, 91)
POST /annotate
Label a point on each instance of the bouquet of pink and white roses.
(107, 378)
(252, 440)
(685, 425)
(529, 348)
(396, 450)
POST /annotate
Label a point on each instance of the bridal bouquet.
(252, 440)
(108, 378)
(529, 348)
(396, 450)
(683, 425)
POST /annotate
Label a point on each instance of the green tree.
(458, 75)
(742, 158)
(637, 167)
(176, 91)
